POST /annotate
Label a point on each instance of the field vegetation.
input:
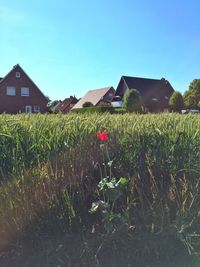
(70, 199)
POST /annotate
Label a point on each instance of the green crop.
(50, 171)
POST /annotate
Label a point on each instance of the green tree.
(48, 100)
(176, 102)
(88, 104)
(51, 104)
(192, 95)
(132, 101)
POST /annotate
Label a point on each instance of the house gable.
(25, 93)
(66, 105)
(155, 93)
(121, 88)
(20, 81)
(97, 95)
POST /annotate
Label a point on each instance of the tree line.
(189, 100)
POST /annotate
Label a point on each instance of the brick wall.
(17, 103)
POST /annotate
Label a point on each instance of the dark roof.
(1, 78)
(60, 107)
(93, 96)
(145, 84)
(56, 106)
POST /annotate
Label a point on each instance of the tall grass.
(26, 141)
(49, 173)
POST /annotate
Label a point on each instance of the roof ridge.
(3, 78)
(103, 88)
(124, 76)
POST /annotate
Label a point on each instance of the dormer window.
(24, 91)
(17, 74)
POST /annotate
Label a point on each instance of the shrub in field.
(132, 101)
(176, 102)
(87, 105)
(98, 109)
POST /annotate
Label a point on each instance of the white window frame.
(24, 93)
(36, 108)
(28, 109)
(17, 74)
(11, 91)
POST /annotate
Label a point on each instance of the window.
(166, 110)
(17, 74)
(28, 109)
(110, 94)
(36, 108)
(155, 99)
(10, 90)
(71, 105)
(24, 91)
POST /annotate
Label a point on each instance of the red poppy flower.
(102, 136)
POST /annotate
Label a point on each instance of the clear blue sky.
(69, 47)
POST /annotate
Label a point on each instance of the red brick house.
(66, 105)
(18, 93)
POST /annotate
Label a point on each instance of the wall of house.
(109, 95)
(15, 104)
(121, 88)
(162, 93)
(69, 105)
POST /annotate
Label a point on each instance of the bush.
(87, 104)
(104, 104)
(132, 101)
(119, 111)
(176, 102)
(98, 109)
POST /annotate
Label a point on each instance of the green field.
(51, 168)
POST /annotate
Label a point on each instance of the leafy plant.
(87, 104)
(132, 101)
(192, 95)
(111, 189)
(176, 102)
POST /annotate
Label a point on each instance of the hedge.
(99, 109)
